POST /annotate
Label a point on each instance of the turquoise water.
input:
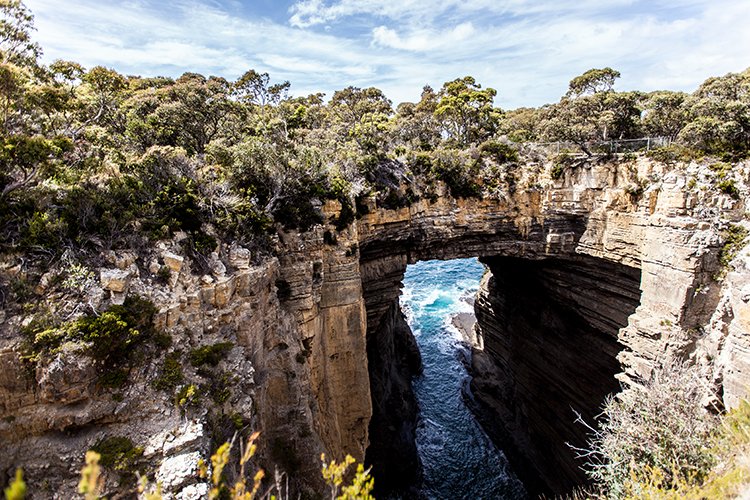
(459, 459)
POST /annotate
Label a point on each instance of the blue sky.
(527, 50)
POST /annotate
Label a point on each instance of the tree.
(362, 115)
(22, 158)
(12, 82)
(102, 94)
(55, 98)
(16, 25)
(665, 113)
(592, 111)
(301, 114)
(465, 111)
(593, 81)
(255, 88)
(256, 91)
(416, 125)
(189, 113)
(719, 114)
(521, 124)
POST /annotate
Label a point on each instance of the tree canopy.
(88, 154)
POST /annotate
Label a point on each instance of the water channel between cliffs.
(458, 458)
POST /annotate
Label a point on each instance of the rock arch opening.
(548, 322)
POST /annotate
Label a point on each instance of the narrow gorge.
(591, 284)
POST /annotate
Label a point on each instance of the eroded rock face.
(394, 359)
(623, 281)
(549, 331)
(301, 324)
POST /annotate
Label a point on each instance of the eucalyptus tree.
(16, 25)
(593, 81)
(665, 113)
(521, 124)
(415, 125)
(465, 111)
(719, 115)
(591, 111)
(56, 99)
(262, 98)
(189, 112)
(362, 116)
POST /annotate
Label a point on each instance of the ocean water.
(458, 458)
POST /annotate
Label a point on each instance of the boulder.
(114, 280)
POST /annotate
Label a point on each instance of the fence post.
(648, 143)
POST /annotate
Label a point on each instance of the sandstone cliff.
(596, 276)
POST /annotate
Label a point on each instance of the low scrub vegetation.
(119, 454)
(660, 441)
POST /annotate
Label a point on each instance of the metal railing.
(599, 147)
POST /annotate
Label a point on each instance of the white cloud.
(307, 13)
(527, 50)
(422, 40)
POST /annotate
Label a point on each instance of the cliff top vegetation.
(94, 160)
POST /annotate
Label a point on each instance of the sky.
(528, 50)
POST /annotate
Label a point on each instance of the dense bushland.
(94, 160)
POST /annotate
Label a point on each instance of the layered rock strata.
(549, 330)
(303, 324)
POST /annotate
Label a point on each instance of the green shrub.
(673, 153)
(721, 168)
(170, 375)
(734, 240)
(662, 427)
(729, 446)
(243, 221)
(45, 229)
(421, 163)
(298, 212)
(340, 189)
(459, 174)
(498, 151)
(560, 163)
(557, 170)
(727, 186)
(176, 206)
(210, 354)
(118, 453)
(110, 338)
(187, 395)
(220, 386)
